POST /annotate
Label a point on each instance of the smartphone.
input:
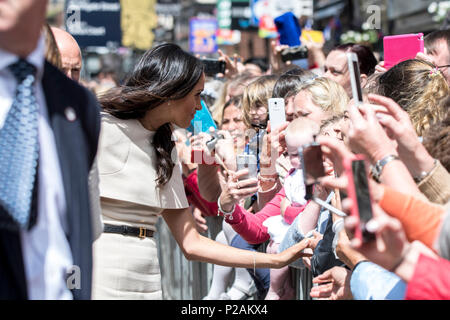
(211, 144)
(312, 162)
(213, 66)
(277, 112)
(401, 47)
(355, 77)
(358, 191)
(247, 161)
(294, 53)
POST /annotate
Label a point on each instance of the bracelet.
(379, 165)
(227, 215)
(425, 174)
(262, 178)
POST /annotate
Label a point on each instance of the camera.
(211, 144)
(294, 53)
(213, 66)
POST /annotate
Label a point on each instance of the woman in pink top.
(250, 226)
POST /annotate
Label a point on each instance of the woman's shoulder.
(113, 128)
(111, 124)
(110, 121)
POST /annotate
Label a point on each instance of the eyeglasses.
(445, 66)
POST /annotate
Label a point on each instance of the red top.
(250, 226)
(207, 208)
(430, 281)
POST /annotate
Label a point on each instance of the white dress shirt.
(46, 252)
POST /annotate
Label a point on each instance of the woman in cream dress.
(140, 178)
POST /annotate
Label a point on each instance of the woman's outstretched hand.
(293, 253)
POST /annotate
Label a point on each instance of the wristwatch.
(226, 215)
(379, 165)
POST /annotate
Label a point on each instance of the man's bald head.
(70, 53)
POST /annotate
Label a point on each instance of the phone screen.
(312, 163)
(362, 195)
(247, 161)
(357, 81)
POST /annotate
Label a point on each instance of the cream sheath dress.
(127, 267)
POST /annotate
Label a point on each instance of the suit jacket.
(76, 143)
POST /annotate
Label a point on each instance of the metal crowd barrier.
(189, 280)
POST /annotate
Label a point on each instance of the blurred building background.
(114, 33)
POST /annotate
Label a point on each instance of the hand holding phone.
(211, 144)
(213, 66)
(200, 153)
(294, 53)
(359, 193)
(311, 158)
(247, 161)
(277, 112)
(355, 77)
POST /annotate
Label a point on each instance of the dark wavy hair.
(164, 73)
(366, 58)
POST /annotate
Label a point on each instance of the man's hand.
(334, 284)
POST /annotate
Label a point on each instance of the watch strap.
(379, 165)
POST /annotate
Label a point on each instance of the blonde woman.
(317, 99)
(419, 88)
(320, 99)
(231, 88)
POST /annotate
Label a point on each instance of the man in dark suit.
(49, 128)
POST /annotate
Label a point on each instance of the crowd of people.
(86, 172)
